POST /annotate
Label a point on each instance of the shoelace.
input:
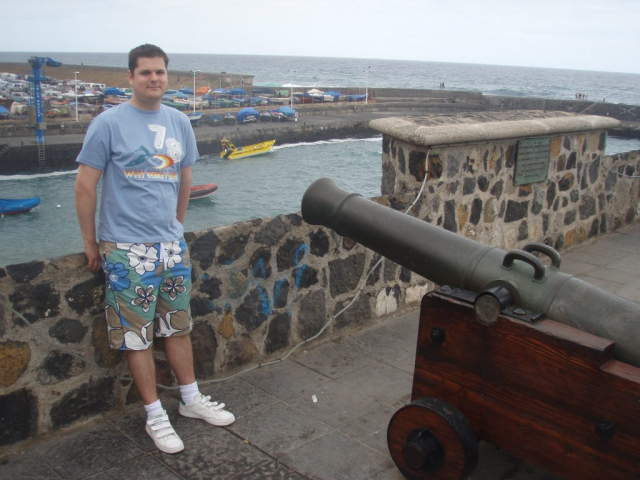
(213, 405)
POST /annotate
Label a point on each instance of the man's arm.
(86, 202)
(183, 193)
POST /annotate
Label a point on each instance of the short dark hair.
(146, 51)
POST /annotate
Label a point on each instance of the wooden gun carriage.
(509, 351)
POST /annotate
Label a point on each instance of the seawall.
(18, 152)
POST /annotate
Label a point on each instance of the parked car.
(58, 112)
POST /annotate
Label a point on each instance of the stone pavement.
(359, 381)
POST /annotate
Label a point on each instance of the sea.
(309, 72)
(274, 184)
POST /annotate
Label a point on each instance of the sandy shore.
(111, 76)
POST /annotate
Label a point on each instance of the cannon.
(510, 351)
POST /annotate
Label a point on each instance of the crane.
(36, 64)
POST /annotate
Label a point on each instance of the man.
(143, 151)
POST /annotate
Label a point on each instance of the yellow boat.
(231, 152)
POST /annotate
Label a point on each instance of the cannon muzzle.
(450, 259)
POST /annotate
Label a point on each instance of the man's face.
(149, 80)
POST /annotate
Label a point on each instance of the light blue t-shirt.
(140, 154)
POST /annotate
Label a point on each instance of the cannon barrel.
(450, 259)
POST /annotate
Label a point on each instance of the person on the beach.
(144, 151)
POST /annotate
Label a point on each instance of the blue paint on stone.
(259, 269)
(215, 308)
(300, 274)
(265, 303)
(300, 254)
(278, 290)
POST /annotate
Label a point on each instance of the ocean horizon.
(276, 71)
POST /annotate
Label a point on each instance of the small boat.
(231, 152)
(177, 105)
(229, 118)
(277, 116)
(288, 113)
(11, 206)
(201, 191)
(194, 118)
(248, 115)
(215, 120)
(265, 116)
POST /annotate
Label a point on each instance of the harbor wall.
(18, 152)
(260, 287)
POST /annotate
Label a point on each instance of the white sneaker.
(211, 412)
(163, 435)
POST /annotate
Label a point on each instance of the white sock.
(153, 409)
(188, 392)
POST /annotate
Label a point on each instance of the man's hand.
(93, 256)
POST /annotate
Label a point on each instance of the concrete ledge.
(427, 135)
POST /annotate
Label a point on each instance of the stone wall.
(470, 186)
(259, 288)
(262, 286)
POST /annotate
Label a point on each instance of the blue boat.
(113, 91)
(11, 206)
(215, 120)
(194, 118)
(247, 115)
(288, 113)
(334, 93)
(356, 98)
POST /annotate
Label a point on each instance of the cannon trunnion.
(509, 351)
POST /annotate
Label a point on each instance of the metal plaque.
(532, 160)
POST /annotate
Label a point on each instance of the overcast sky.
(574, 34)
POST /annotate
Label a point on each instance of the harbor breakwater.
(262, 286)
(18, 151)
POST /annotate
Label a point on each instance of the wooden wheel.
(431, 439)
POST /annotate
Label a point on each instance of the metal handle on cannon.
(546, 250)
(527, 257)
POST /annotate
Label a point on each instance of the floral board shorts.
(148, 289)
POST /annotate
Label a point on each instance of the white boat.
(197, 101)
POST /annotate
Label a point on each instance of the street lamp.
(366, 88)
(291, 90)
(194, 89)
(75, 76)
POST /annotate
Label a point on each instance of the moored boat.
(231, 152)
(215, 120)
(248, 115)
(194, 118)
(265, 116)
(11, 206)
(288, 113)
(201, 191)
